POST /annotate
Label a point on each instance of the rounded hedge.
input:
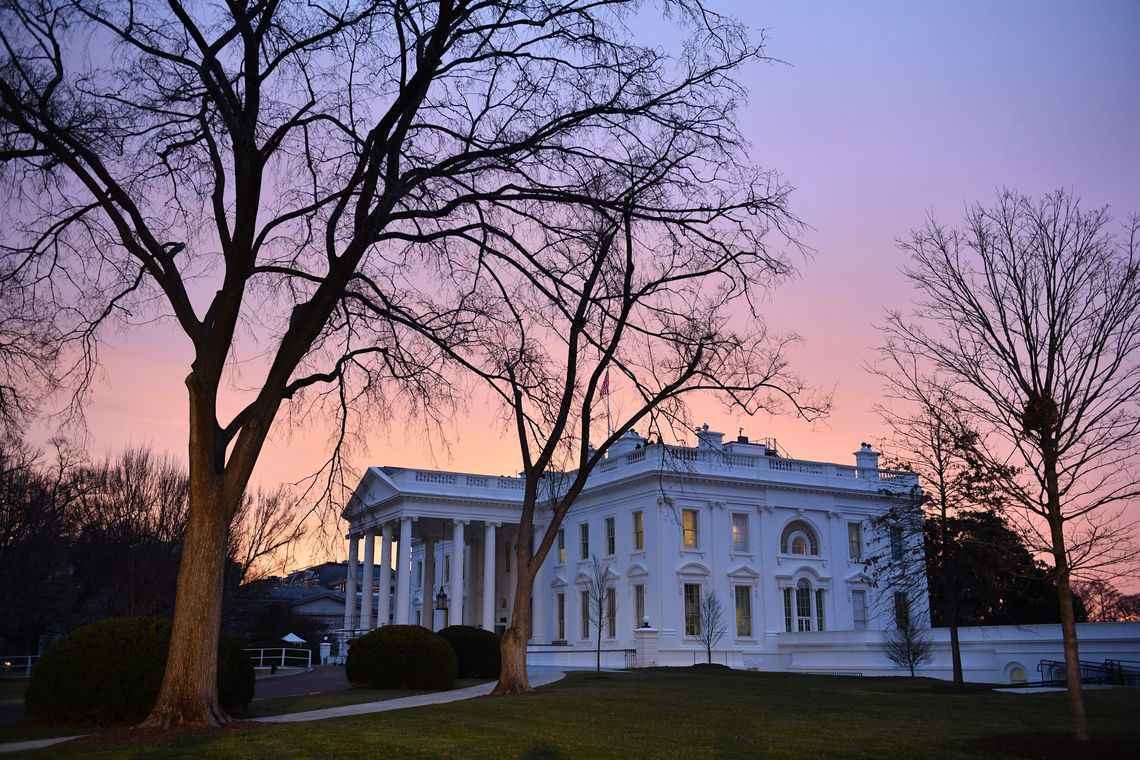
(477, 650)
(111, 671)
(401, 657)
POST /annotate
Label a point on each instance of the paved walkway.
(538, 677)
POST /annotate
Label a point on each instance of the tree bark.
(512, 676)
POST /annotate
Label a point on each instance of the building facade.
(780, 542)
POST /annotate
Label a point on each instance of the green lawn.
(682, 713)
(305, 702)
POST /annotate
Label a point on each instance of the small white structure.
(780, 541)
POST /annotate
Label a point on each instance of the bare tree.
(1032, 313)
(310, 178)
(711, 622)
(908, 646)
(265, 529)
(598, 591)
(1105, 604)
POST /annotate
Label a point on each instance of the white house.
(780, 541)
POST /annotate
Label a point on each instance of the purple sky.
(882, 114)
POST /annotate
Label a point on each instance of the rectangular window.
(896, 543)
(561, 617)
(743, 611)
(584, 541)
(562, 546)
(611, 539)
(692, 609)
(739, 532)
(855, 541)
(507, 557)
(611, 612)
(859, 607)
(803, 608)
(638, 531)
(902, 610)
(638, 605)
(585, 598)
(819, 610)
(788, 610)
(689, 536)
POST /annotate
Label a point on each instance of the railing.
(281, 657)
(17, 665)
(1123, 672)
(629, 656)
(1053, 672)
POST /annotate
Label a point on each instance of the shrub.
(477, 651)
(401, 657)
(111, 671)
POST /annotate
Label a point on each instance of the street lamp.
(441, 599)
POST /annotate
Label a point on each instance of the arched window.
(799, 538)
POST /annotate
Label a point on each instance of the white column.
(404, 572)
(455, 582)
(489, 555)
(427, 610)
(350, 584)
(366, 580)
(384, 603)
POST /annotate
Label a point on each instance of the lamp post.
(441, 604)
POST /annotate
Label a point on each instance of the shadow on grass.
(1056, 746)
(542, 751)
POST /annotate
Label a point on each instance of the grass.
(683, 713)
(305, 702)
(12, 688)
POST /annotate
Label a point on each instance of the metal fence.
(281, 657)
(17, 665)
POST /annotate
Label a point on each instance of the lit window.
(743, 611)
(740, 532)
(561, 617)
(859, 605)
(690, 538)
(896, 543)
(638, 605)
(803, 606)
(584, 541)
(855, 541)
(692, 609)
(611, 539)
(638, 531)
(585, 596)
(611, 612)
(799, 538)
(562, 546)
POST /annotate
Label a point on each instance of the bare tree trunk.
(1069, 634)
(189, 693)
(512, 677)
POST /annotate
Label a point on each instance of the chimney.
(866, 459)
(709, 439)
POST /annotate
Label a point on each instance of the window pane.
(611, 540)
(639, 605)
(611, 612)
(561, 617)
(896, 543)
(689, 537)
(803, 606)
(740, 532)
(788, 610)
(902, 610)
(562, 546)
(819, 626)
(855, 541)
(692, 609)
(585, 614)
(584, 541)
(743, 611)
(638, 531)
(859, 603)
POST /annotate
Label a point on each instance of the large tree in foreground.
(1031, 311)
(284, 176)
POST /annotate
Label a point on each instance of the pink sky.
(882, 114)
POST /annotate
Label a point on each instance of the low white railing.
(17, 665)
(281, 657)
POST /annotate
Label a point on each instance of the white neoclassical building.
(780, 541)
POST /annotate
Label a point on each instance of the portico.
(450, 547)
